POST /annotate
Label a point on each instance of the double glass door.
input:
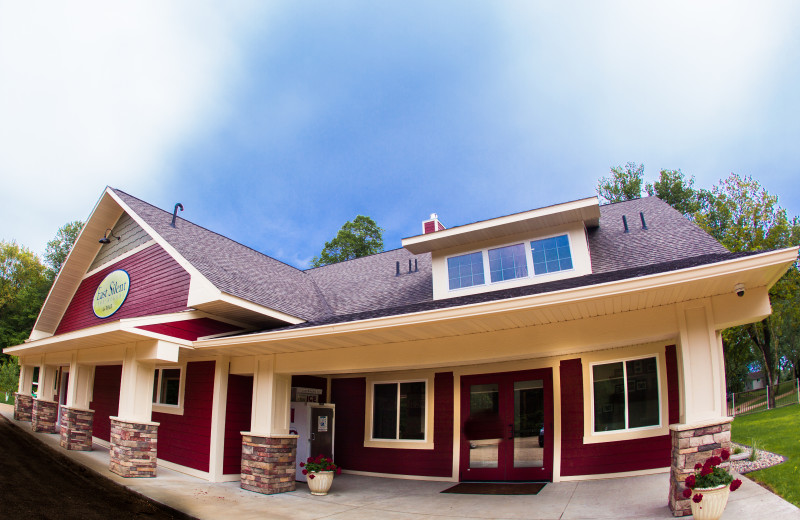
(507, 425)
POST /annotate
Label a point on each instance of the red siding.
(350, 398)
(237, 420)
(105, 399)
(313, 382)
(186, 439)
(609, 457)
(191, 329)
(159, 285)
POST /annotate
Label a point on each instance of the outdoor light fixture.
(105, 239)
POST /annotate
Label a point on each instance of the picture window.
(626, 395)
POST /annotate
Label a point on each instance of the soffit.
(585, 210)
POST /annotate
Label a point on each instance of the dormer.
(525, 248)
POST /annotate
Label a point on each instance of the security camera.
(739, 288)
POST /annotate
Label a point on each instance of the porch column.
(134, 436)
(45, 409)
(268, 450)
(76, 417)
(23, 401)
(704, 430)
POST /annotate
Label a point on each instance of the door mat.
(496, 488)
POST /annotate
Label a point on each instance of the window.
(507, 263)
(551, 255)
(626, 395)
(465, 270)
(398, 410)
(167, 386)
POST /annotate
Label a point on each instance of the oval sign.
(111, 293)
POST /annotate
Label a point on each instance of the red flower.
(302, 464)
(698, 466)
(707, 470)
(735, 484)
(305, 472)
(687, 493)
(311, 476)
(725, 454)
(697, 498)
(339, 472)
(715, 461)
(690, 481)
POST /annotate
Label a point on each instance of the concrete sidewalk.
(356, 497)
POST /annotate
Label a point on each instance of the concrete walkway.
(355, 497)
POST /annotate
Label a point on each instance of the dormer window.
(507, 263)
(551, 255)
(465, 270)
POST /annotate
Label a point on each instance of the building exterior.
(568, 342)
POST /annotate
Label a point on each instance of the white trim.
(101, 442)
(621, 474)
(184, 469)
(174, 409)
(398, 476)
(123, 256)
(426, 443)
(216, 456)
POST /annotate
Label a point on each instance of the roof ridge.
(207, 230)
(354, 259)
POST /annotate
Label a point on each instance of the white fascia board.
(764, 260)
(266, 311)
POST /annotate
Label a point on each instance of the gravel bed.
(765, 459)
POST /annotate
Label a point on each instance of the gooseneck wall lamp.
(105, 239)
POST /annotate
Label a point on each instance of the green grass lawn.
(3, 398)
(777, 431)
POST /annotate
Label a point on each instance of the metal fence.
(752, 401)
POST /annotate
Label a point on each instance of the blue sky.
(276, 122)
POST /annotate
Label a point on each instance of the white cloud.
(95, 93)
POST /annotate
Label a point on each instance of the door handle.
(313, 436)
(510, 432)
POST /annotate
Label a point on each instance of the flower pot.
(320, 483)
(713, 503)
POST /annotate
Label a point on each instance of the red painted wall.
(610, 457)
(191, 329)
(237, 420)
(349, 451)
(186, 439)
(159, 285)
(313, 382)
(105, 399)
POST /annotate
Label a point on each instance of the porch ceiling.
(652, 291)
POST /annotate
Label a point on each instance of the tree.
(674, 188)
(355, 239)
(9, 376)
(625, 183)
(24, 282)
(57, 249)
(743, 216)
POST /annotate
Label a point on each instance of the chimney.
(432, 225)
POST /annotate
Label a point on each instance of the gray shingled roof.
(369, 287)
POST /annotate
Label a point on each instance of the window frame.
(175, 409)
(426, 442)
(590, 435)
(484, 260)
(532, 268)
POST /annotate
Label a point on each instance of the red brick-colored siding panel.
(349, 395)
(191, 329)
(674, 393)
(319, 383)
(237, 420)
(159, 285)
(186, 439)
(105, 399)
(578, 458)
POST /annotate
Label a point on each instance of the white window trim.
(590, 436)
(425, 443)
(526, 244)
(175, 409)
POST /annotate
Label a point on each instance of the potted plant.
(320, 470)
(709, 487)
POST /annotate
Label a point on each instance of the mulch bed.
(764, 459)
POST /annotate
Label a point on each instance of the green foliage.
(9, 376)
(674, 188)
(625, 183)
(57, 249)
(361, 237)
(24, 283)
(776, 431)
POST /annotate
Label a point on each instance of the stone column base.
(23, 407)
(44, 416)
(133, 448)
(692, 444)
(76, 428)
(268, 463)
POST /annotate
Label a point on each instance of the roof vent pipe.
(625, 223)
(415, 266)
(175, 213)
(409, 265)
(644, 224)
(397, 273)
